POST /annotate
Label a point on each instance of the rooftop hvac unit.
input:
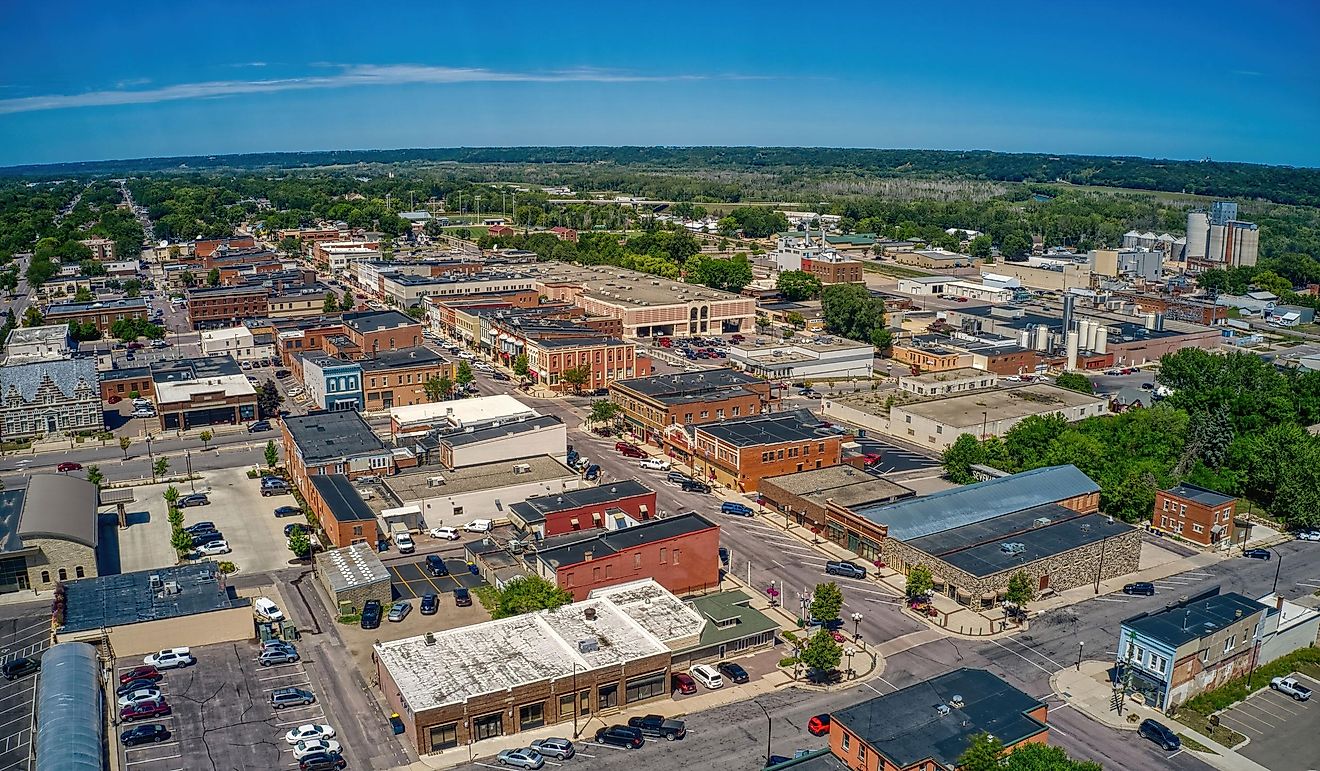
(1040, 522)
(172, 587)
(522, 468)
(430, 638)
(956, 700)
(1013, 547)
(154, 582)
(436, 481)
(942, 709)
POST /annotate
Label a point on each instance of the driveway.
(1282, 731)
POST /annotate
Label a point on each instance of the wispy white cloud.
(1248, 73)
(349, 75)
(131, 82)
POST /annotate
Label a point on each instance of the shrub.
(1236, 690)
(227, 567)
(788, 661)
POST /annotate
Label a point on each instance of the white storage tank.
(1102, 339)
(1072, 351)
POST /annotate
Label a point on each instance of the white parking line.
(151, 760)
(280, 677)
(143, 747)
(1109, 599)
(1024, 658)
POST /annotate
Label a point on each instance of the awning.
(642, 508)
(595, 516)
(1218, 529)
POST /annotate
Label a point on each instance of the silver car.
(521, 758)
(399, 610)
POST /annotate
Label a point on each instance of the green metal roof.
(725, 607)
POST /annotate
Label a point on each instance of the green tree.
(520, 365)
(850, 310)
(206, 436)
(331, 303)
(1019, 591)
(1043, 757)
(445, 386)
(291, 246)
(1028, 441)
(919, 583)
(527, 594)
(1074, 381)
(433, 389)
(576, 377)
(213, 277)
(272, 454)
(979, 247)
(797, 285)
(95, 476)
(181, 541)
(983, 753)
(83, 295)
(463, 376)
(32, 317)
(9, 281)
(133, 288)
(959, 458)
(300, 543)
(795, 319)
(821, 653)
(187, 278)
(1298, 499)
(269, 399)
(826, 602)
(124, 442)
(160, 467)
(171, 495)
(1015, 244)
(603, 411)
(348, 302)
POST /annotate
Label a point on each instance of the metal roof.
(68, 375)
(536, 508)
(374, 321)
(351, 567)
(776, 428)
(1200, 616)
(341, 498)
(1012, 540)
(69, 725)
(965, 505)
(600, 544)
(1200, 494)
(60, 506)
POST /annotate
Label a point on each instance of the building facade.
(49, 397)
(333, 384)
(1194, 513)
(586, 508)
(740, 453)
(225, 306)
(651, 406)
(102, 313)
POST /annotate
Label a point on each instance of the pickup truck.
(660, 727)
(1291, 687)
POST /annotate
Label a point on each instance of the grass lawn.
(1201, 724)
(1195, 712)
(1189, 743)
(895, 271)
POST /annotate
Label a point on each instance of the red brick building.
(651, 405)
(102, 313)
(564, 234)
(680, 553)
(585, 509)
(1195, 513)
(740, 453)
(375, 331)
(340, 510)
(834, 271)
(205, 247)
(605, 359)
(332, 443)
(500, 230)
(224, 306)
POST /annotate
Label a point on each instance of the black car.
(733, 671)
(21, 667)
(134, 685)
(147, 733)
(197, 499)
(322, 761)
(200, 527)
(1257, 554)
(1160, 734)
(282, 373)
(294, 527)
(435, 565)
(371, 613)
(621, 736)
(500, 376)
(724, 555)
(202, 539)
(659, 726)
(1140, 587)
(259, 426)
(462, 597)
(693, 486)
(288, 511)
(845, 569)
(430, 604)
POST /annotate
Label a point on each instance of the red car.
(114, 399)
(838, 636)
(140, 673)
(871, 458)
(819, 725)
(68, 465)
(683, 683)
(145, 709)
(135, 346)
(629, 451)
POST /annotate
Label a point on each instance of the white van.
(655, 464)
(479, 526)
(404, 542)
(707, 676)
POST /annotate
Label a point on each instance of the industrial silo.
(1198, 235)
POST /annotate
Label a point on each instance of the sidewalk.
(1090, 692)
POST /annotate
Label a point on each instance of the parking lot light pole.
(1278, 567)
(769, 728)
(1080, 643)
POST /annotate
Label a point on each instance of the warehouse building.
(805, 498)
(352, 575)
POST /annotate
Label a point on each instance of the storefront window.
(646, 687)
(607, 696)
(444, 736)
(531, 716)
(488, 726)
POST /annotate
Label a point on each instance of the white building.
(924, 286)
(339, 257)
(822, 358)
(454, 497)
(26, 344)
(458, 414)
(947, 382)
(235, 341)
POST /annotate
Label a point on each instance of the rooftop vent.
(1040, 522)
(942, 709)
(956, 700)
(172, 587)
(1012, 547)
(154, 582)
(430, 638)
(589, 613)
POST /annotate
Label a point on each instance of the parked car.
(591, 473)
(305, 747)
(430, 604)
(399, 611)
(629, 451)
(435, 565)
(140, 673)
(845, 569)
(273, 486)
(291, 697)
(707, 676)
(258, 427)
(739, 509)
(144, 709)
(655, 464)
(196, 499)
(147, 733)
(68, 466)
(479, 526)
(205, 537)
(1291, 686)
(733, 671)
(282, 373)
(659, 726)
(1140, 587)
(142, 412)
(150, 693)
(677, 477)
(267, 609)
(447, 533)
(21, 667)
(521, 758)
(170, 658)
(554, 747)
(683, 683)
(371, 613)
(1160, 734)
(214, 548)
(198, 528)
(404, 542)
(1257, 554)
(322, 762)
(693, 486)
(279, 645)
(1309, 535)
(272, 656)
(620, 736)
(309, 731)
(819, 725)
(724, 555)
(462, 597)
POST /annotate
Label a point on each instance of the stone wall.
(53, 555)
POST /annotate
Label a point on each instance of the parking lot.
(411, 580)
(240, 513)
(1282, 731)
(22, 636)
(222, 715)
(894, 459)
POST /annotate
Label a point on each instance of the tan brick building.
(652, 405)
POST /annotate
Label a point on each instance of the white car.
(707, 676)
(214, 548)
(143, 413)
(170, 658)
(1309, 535)
(479, 526)
(655, 464)
(447, 533)
(296, 391)
(267, 609)
(311, 746)
(308, 732)
(141, 694)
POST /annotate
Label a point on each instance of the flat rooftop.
(498, 656)
(352, 566)
(168, 393)
(620, 286)
(973, 409)
(961, 373)
(325, 436)
(99, 306)
(341, 497)
(573, 549)
(1179, 624)
(375, 321)
(688, 386)
(664, 616)
(461, 412)
(420, 356)
(127, 598)
(843, 485)
(416, 485)
(777, 428)
(1199, 494)
(536, 509)
(506, 430)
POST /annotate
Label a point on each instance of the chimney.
(586, 556)
(1278, 603)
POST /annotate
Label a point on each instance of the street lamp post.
(850, 652)
(1278, 567)
(805, 600)
(769, 729)
(857, 620)
(187, 455)
(575, 701)
(1080, 643)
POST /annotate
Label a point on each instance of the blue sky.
(95, 80)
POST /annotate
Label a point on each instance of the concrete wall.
(1300, 635)
(218, 626)
(840, 411)
(438, 509)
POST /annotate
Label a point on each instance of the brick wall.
(683, 565)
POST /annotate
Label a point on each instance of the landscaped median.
(1200, 713)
